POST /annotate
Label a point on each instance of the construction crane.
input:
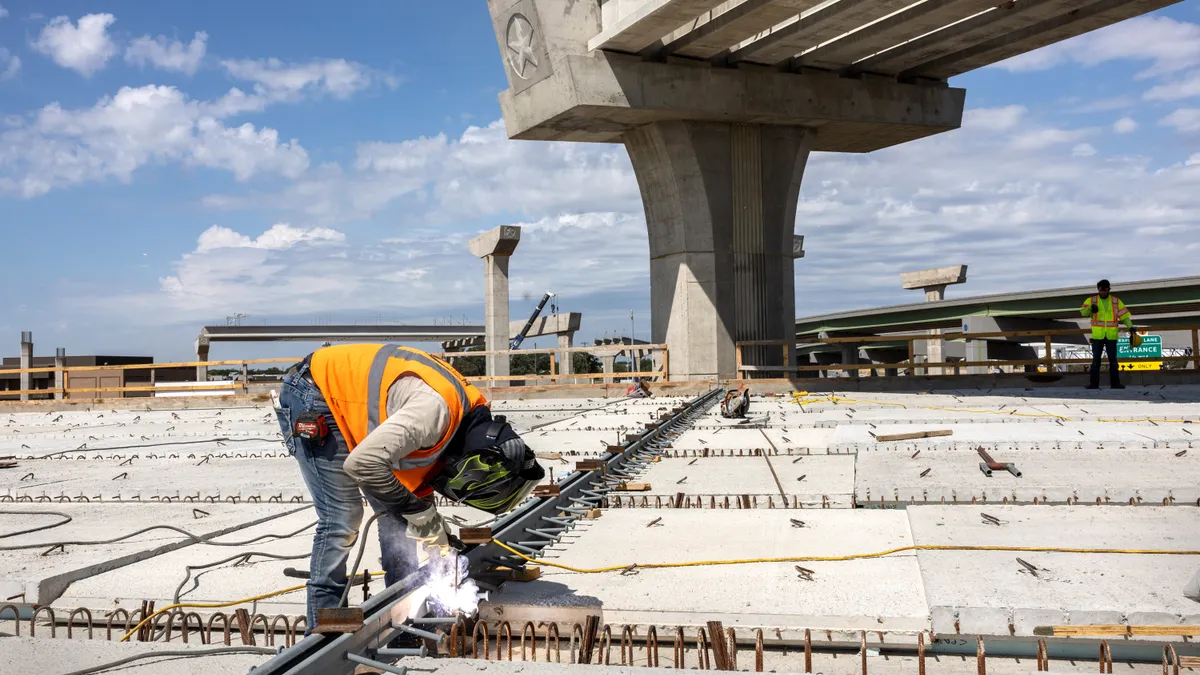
(515, 343)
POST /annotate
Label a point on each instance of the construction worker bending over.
(1108, 313)
(399, 424)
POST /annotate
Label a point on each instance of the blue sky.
(141, 196)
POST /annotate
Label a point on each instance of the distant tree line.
(525, 364)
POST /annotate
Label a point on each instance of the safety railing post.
(1196, 348)
(912, 356)
(1049, 354)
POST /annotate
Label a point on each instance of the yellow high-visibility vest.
(1106, 322)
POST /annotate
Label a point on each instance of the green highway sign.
(1151, 348)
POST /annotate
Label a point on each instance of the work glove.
(428, 531)
(1095, 309)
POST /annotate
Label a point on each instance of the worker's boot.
(1117, 385)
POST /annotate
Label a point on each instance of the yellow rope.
(210, 605)
(854, 556)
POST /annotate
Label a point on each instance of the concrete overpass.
(719, 105)
(451, 337)
(1161, 302)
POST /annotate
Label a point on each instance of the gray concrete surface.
(42, 575)
(1103, 447)
(882, 594)
(38, 655)
(986, 592)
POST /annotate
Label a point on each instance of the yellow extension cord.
(798, 399)
(854, 556)
(209, 605)
(704, 563)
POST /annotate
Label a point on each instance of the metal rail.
(581, 490)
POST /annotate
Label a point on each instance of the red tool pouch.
(312, 427)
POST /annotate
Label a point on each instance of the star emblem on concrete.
(520, 45)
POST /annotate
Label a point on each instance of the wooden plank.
(633, 487)
(475, 535)
(546, 491)
(912, 435)
(1109, 630)
(151, 366)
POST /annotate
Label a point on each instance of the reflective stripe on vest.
(1097, 322)
(375, 379)
(374, 394)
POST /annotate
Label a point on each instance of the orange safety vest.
(355, 380)
(1106, 323)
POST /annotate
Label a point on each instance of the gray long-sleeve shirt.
(417, 418)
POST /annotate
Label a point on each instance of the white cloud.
(1125, 125)
(1171, 45)
(167, 54)
(1083, 150)
(85, 47)
(1015, 211)
(280, 236)
(1188, 87)
(1186, 120)
(277, 80)
(1040, 139)
(3, 12)
(994, 119)
(10, 64)
(481, 172)
(56, 147)
(587, 258)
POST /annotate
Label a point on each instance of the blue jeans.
(338, 503)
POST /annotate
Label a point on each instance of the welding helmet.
(495, 472)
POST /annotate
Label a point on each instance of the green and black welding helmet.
(496, 471)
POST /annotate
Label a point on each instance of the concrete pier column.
(720, 204)
(566, 365)
(496, 246)
(976, 350)
(610, 365)
(26, 379)
(202, 355)
(934, 282)
(850, 359)
(60, 362)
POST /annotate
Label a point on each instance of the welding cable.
(211, 605)
(195, 538)
(222, 439)
(187, 654)
(362, 545)
(842, 558)
(243, 557)
(65, 517)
